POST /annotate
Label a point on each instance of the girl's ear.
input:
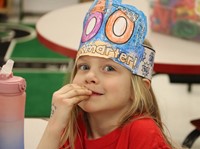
(147, 83)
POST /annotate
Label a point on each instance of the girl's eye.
(83, 67)
(109, 68)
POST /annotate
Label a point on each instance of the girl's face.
(109, 82)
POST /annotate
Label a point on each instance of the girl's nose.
(91, 77)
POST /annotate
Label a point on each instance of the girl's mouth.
(96, 94)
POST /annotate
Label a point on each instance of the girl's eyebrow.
(86, 59)
(81, 59)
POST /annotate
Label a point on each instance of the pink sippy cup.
(12, 105)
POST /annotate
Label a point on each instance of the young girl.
(109, 103)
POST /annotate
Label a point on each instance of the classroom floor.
(177, 105)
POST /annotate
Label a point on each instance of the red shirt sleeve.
(145, 134)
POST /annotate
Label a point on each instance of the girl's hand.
(63, 102)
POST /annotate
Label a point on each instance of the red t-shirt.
(138, 134)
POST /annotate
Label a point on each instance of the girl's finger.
(77, 99)
(68, 87)
(76, 92)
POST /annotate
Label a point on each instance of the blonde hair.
(144, 104)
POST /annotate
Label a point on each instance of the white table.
(33, 130)
(61, 29)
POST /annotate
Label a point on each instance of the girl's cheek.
(76, 80)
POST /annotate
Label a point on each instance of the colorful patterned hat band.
(117, 31)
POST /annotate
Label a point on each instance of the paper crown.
(117, 31)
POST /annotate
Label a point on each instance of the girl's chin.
(87, 106)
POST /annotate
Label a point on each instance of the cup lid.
(12, 85)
